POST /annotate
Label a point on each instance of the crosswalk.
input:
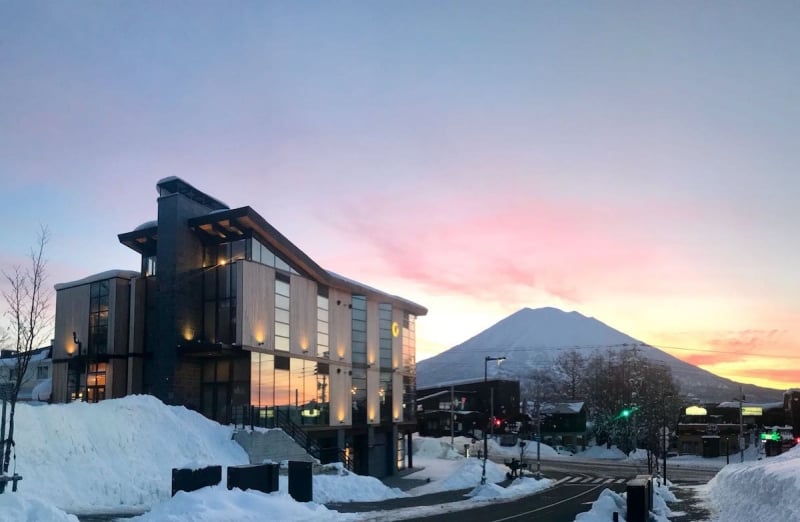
(577, 479)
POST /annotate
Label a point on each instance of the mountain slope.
(532, 339)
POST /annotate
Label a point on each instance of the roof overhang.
(141, 240)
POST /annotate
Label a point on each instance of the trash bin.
(710, 446)
(300, 481)
(637, 500)
(194, 479)
(261, 477)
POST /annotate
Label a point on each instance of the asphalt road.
(563, 502)
(578, 485)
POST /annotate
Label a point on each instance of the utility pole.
(741, 425)
(452, 416)
(485, 439)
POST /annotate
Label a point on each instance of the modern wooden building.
(228, 317)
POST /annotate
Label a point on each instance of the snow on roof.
(562, 407)
(762, 405)
(147, 224)
(108, 274)
(39, 355)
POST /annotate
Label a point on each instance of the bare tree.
(28, 306)
(572, 367)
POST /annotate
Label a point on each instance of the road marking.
(575, 479)
(585, 492)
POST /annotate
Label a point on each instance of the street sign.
(752, 411)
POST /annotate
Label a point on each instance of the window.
(359, 329)
(282, 307)
(150, 266)
(42, 372)
(219, 294)
(323, 348)
(98, 317)
(96, 382)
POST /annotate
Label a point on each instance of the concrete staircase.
(270, 445)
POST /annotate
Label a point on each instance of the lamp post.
(491, 414)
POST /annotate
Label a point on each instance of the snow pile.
(764, 490)
(16, 507)
(461, 473)
(601, 452)
(328, 487)
(217, 504)
(431, 448)
(609, 502)
(115, 455)
(519, 488)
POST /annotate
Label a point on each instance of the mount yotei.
(532, 340)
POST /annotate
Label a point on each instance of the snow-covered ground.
(117, 456)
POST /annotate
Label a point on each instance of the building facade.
(227, 315)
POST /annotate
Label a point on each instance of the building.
(36, 383)
(564, 423)
(226, 315)
(712, 430)
(467, 404)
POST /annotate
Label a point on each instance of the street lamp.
(491, 408)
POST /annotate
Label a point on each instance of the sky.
(632, 161)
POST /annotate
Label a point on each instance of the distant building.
(712, 430)
(564, 423)
(468, 404)
(228, 317)
(36, 383)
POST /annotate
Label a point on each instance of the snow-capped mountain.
(533, 339)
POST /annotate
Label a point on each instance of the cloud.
(506, 247)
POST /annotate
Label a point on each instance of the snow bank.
(462, 474)
(601, 452)
(330, 487)
(217, 504)
(115, 455)
(609, 502)
(765, 490)
(18, 507)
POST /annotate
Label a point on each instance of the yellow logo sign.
(395, 329)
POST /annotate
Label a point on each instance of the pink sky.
(635, 163)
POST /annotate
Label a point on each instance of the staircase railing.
(257, 417)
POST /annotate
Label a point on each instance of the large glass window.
(385, 340)
(219, 311)
(323, 348)
(298, 387)
(409, 342)
(96, 382)
(409, 368)
(359, 329)
(282, 307)
(98, 317)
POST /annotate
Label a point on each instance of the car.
(561, 450)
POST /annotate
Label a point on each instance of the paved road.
(578, 484)
(571, 495)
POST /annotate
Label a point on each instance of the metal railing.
(258, 417)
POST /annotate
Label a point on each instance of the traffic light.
(627, 412)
